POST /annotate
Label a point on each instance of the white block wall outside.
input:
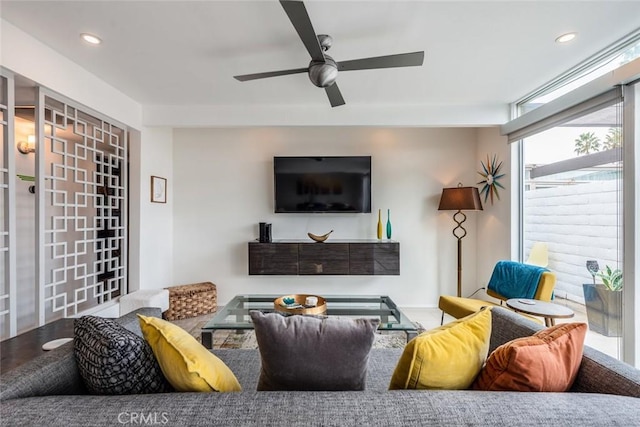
(579, 223)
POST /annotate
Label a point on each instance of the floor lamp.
(458, 199)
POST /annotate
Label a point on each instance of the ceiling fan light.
(567, 37)
(323, 74)
(90, 38)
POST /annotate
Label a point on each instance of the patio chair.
(539, 254)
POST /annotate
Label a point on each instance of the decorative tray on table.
(300, 304)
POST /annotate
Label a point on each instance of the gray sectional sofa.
(49, 391)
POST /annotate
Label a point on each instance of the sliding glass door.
(573, 202)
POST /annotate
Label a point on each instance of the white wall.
(321, 115)
(222, 186)
(25, 231)
(155, 229)
(494, 223)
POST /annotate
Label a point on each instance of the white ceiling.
(184, 53)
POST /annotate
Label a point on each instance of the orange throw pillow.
(547, 361)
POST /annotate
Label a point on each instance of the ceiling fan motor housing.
(323, 74)
(325, 41)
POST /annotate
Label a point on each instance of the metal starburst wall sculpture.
(491, 174)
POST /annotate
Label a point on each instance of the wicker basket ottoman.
(191, 300)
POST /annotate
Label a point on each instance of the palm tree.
(613, 139)
(587, 143)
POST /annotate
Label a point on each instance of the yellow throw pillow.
(447, 358)
(186, 364)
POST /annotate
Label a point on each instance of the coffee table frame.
(235, 315)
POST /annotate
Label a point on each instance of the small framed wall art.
(158, 189)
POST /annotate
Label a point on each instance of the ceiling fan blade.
(335, 97)
(302, 23)
(255, 76)
(389, 61)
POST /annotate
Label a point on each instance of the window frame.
(627, 78)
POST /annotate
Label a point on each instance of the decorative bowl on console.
(321, 238)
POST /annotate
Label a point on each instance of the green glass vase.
(388, 223)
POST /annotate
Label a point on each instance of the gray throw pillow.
(113, 360)
(307, 353)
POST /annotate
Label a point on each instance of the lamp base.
(459, 232)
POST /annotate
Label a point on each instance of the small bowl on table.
(280, 304)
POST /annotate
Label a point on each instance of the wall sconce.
(28, 146)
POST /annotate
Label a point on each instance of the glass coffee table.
(235, 315)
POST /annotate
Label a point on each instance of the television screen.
(322, 184)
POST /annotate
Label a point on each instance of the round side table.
(548, 310)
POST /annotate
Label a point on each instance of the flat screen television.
(322, 184)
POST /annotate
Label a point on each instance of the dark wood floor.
(24, 347)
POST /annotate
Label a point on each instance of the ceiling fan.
(323, 69)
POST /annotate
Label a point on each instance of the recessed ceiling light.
(566, 38)
(90, 38)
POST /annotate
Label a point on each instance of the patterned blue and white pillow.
(113, 360)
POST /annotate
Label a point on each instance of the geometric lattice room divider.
(81, 209)
(8, 315)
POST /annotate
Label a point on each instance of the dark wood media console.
(366, 257)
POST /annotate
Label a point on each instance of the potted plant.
(603, 301)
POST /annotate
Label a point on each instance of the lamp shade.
(459, 199)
